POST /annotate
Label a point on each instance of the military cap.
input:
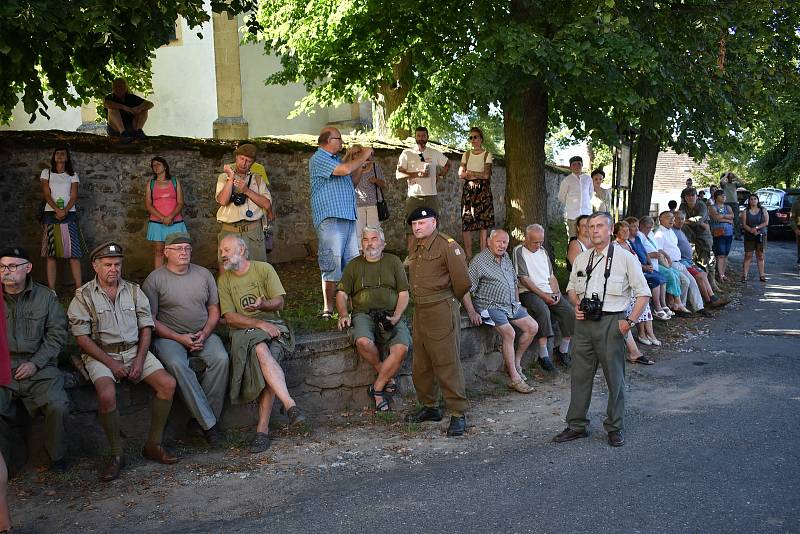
(15, 252)
(177, 237)
(246, 149)
(109, 249)
(423, 212)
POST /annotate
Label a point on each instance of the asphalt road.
(712, 446)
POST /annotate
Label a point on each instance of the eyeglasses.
(13, 267)
(473, 137)
(180, 250)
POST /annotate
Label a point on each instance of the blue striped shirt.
(331, 196)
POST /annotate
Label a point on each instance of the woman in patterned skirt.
(62, 237)
(477, 205)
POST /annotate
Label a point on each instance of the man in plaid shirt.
(333, 210)
(495, 294)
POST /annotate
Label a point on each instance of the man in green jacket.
(37, 331)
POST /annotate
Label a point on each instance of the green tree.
(70, 50)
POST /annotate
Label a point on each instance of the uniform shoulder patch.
(447, 237)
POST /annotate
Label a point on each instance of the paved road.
(712, 446)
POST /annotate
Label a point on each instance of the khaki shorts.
(96, 369)
(364, 326)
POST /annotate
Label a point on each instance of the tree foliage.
(71, 50)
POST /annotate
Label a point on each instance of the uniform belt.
(433, 297)
(240, 226)
(613, 313)
(117, 347)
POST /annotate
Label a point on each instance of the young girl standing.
(163, 198)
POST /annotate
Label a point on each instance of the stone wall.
(114, 177)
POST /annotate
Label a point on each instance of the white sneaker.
(655, 342)
(645, 341)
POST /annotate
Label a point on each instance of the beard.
(232, 263)
(373, 253)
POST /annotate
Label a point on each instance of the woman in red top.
(163, 198)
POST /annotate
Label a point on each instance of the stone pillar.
(230, 124)
(89, 122)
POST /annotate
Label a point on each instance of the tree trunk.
(391, 95)
(525, 126)
(644, 170)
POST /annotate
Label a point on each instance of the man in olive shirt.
(110, 319)
(250, 298)
(185, 306)
(37, 332)
(439, 279)
(696, 228)
(377, 286)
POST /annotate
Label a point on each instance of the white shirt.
(60, 185)
(576, 193)
(649, 247)
(535, 266)
(411, 162)
(668, 242)
(625, 280)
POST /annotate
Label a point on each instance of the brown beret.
(109, 249)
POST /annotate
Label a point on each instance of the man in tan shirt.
(111, 321)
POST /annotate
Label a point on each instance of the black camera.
(592, 308)
(381, 318)
(238, 198)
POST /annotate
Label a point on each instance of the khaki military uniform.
(438, 279)
(113, 326)
(37, 331)
(701, 238)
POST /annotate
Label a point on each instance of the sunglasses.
(473, 137)
(421, 156)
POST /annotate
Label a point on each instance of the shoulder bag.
(383, 207)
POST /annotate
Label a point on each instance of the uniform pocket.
(34, 324)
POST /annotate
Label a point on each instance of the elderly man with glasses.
(185, 306)
(37, 332)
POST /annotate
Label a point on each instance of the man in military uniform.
(111, 321)
(696, 228)
(439, 279)
(37, 331)
(377, 286)
(613, 275)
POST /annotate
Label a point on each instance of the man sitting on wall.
(127, 112)
(377, 286)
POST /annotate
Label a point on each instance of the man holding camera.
(377, 286)
(243, 198)
(602, 282)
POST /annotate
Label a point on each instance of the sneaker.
(486, 319)
(654, 341)
(213, 436)
(563, 357)
(645, 341)
(260, 443)
(546, 364)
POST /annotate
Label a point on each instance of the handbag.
(383, 207)
(718, 232)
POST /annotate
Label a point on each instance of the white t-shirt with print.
(410, 161)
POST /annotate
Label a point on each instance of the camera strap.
(591, 266)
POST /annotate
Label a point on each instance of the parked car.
(778, 204)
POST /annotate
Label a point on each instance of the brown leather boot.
(113, 468)
(157, 453)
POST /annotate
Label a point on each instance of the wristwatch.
(630, 322)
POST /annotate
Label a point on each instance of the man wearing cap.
(185, 306)
(243, 198)
(696, 227)
(333, 210)
(37, 332)
(422, 167)
(251, 298)
(111, 321)
(438, 279)
(576, 193)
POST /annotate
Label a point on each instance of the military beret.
(15, 252)
(108, 249)
(422, 212)
(177, 237)
(246, 149)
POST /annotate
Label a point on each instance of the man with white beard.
(377, 288)
(250, 298)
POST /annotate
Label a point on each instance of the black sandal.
(382, 406)
(325, 315)
(390, 388)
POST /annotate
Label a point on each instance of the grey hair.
(495, 231)
(534, 228)
(646, 220)
(240, 242)
(681, 212)
(605, 214)
(375, 230)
